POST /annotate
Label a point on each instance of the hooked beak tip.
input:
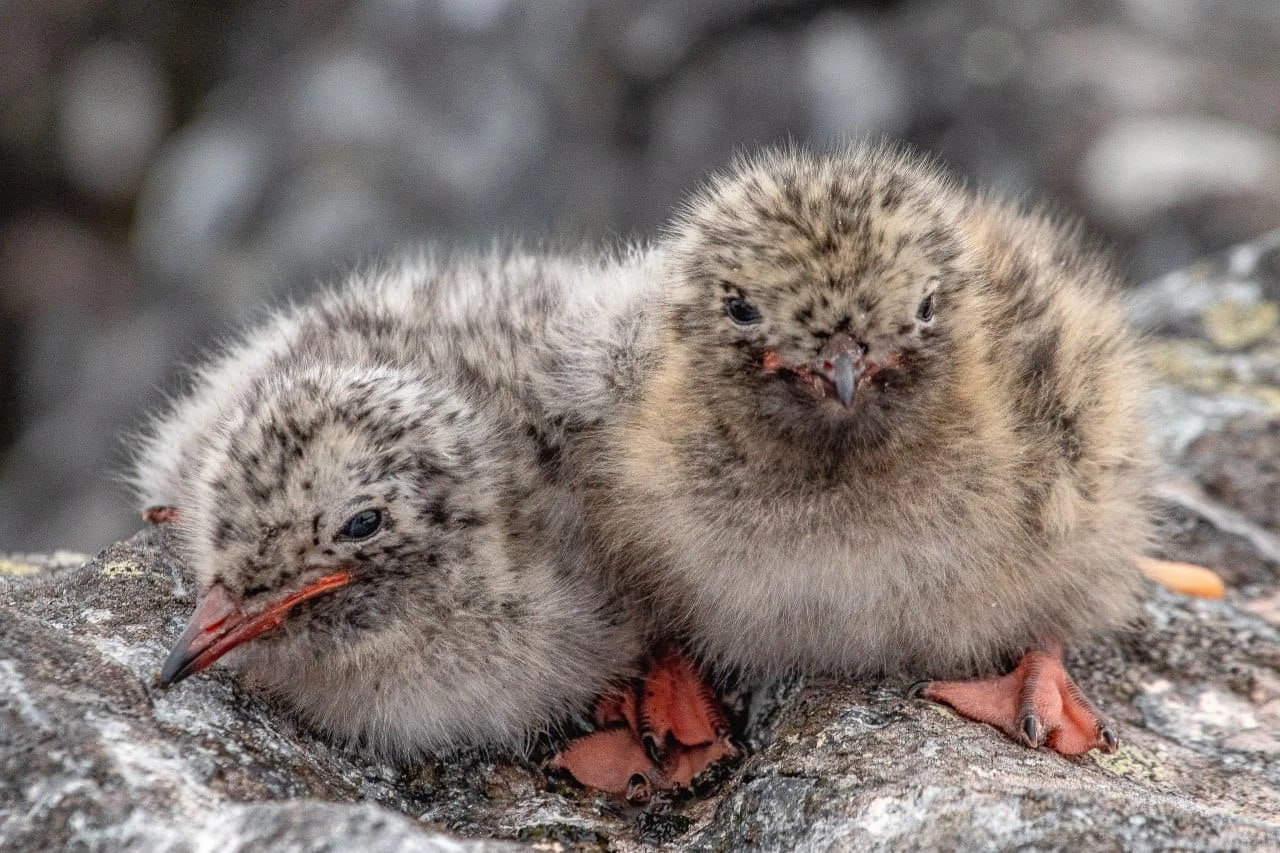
(844, 378)
(175, 669)
(216, 613)
(842, 364)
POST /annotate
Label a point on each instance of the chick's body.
(969, 486)
(407, 401)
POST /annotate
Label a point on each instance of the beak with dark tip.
(220, 624)
(841, 362)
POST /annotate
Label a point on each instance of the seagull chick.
(892, 427)
(372, 540)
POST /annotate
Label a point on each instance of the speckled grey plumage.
(422, 389)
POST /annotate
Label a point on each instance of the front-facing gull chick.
(373, 526)
(893, 427)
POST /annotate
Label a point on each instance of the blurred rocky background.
(167, 168)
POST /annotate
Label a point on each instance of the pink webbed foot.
(609, 760)
(1037, 704)
(655, 736)
(160, 514)
(677, 708)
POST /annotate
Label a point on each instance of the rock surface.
(93, 757)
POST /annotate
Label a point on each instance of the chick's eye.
(741, 311)
(925, 312)
(362, 525)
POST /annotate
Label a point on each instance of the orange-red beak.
(219, 625)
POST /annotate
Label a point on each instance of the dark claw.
(639, 789)
(916, 691)
(1032, 730)
(657, 754)
(1109, 738)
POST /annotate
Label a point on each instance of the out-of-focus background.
(166, 168)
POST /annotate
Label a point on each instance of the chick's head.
(332, 503)
(821, 296)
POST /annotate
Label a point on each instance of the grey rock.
(1141, 166)
(114, 111)
(93, 757)
(1215, 344)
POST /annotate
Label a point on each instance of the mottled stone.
(1235, 325)
(94, 756)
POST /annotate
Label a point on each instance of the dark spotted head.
(330, 503)
(821, 295)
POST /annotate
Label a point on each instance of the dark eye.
(925, 312)
(362, 525)
(741, 311)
